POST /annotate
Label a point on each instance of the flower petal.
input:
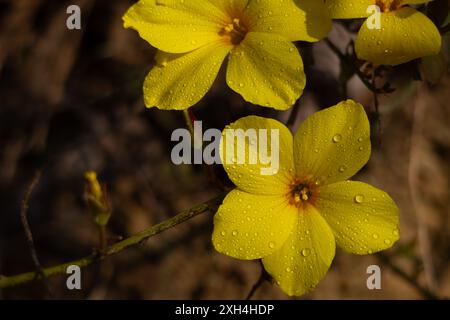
(179, 81)
(406, 34)
(293, 19)
(251, 226)
(415, 1)
(305, 257)
(231, 7)
(256, 176)
(266, 70)
(347, 9)
(175, 26)
(364, 219)
(332, 144)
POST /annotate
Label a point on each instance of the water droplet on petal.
(306, 252)
(359, 198)
(337, 138)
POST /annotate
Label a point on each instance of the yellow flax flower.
(195, 37)
(294, 218)
(403, 34)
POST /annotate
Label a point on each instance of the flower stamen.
(388, 5)
(235, 31)
(301, 194)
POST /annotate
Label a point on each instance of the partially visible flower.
(96, 199)
(405, 34)
(195, 36)
(294, 219)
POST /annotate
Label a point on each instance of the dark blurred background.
(71, 101)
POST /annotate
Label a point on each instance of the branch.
(264, 276)
(345, 59)
(405, 276)
(208, 206)
(293, 116)
(27, 229)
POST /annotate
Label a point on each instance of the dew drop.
(306, 252)
(395, 232)
(359, 198)
(337, 138)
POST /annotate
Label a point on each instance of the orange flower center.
(234, 32)
(389, 5)
(302, 193)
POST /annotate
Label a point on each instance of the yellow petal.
(293, 19)
(332, 144)
(179, 81)
(231, 7)
(349, 9)
(266, 70)
(415, 1)
(406, 34)
(250, 226)
(175, 26)
(303, 260)
(364, 219)
(243, 164)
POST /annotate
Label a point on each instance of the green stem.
(208, 206)
(350, 64)
(189, 122)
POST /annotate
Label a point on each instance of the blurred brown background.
(71, 101)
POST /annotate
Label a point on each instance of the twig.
(351, 65)
(26, 227)
(413, 180)
(208, 206)
(263, 277)
(424, 291)
(293, 116)
(189, 121)
(102, 238)
(376, 102)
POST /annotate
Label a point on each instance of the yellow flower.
(195, 36)
(96, 199)
(404, 34)
(294, 219)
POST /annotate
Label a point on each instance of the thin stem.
(405, 276)
(26, 226)
(350, 64)
(189, 122)
(102, 239)
(27, 229)
(208, 206)
(263, 277)
(293, 116)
